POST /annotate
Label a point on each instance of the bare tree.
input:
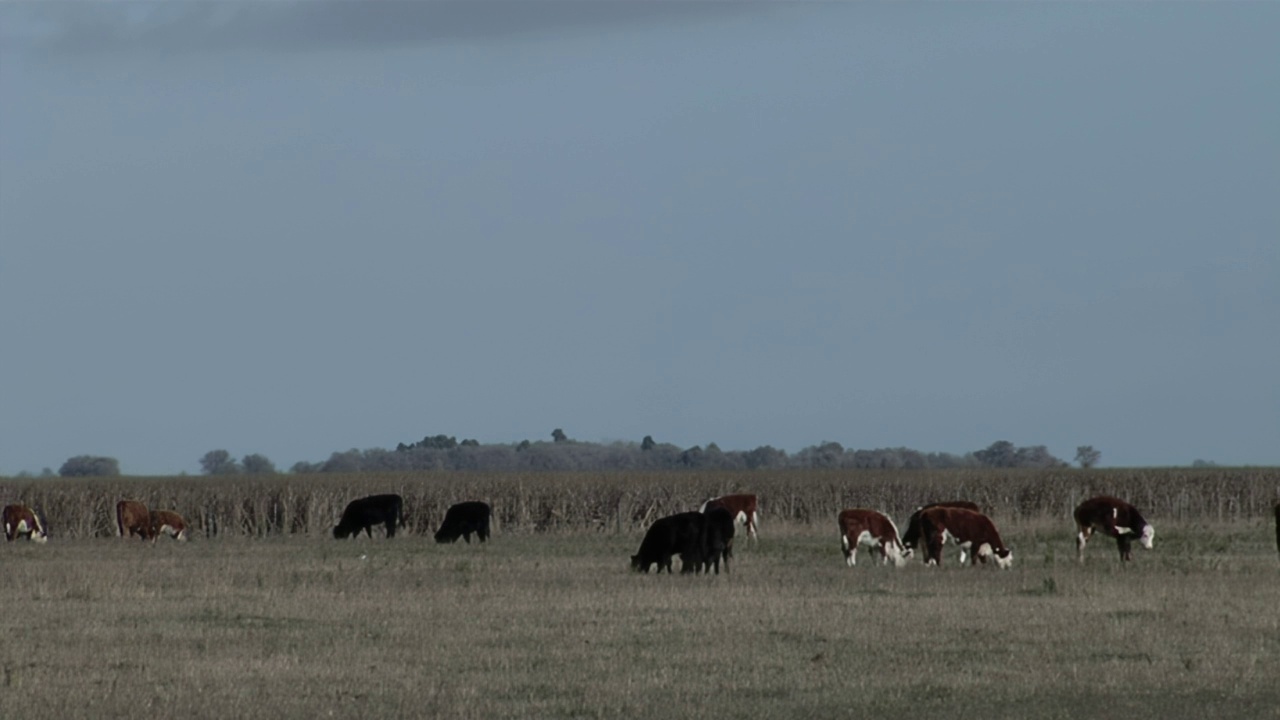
(1087, 456)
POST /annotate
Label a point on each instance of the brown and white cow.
(971, 530)
(20, 520)
(168, 522)
(1116, 518)
(911, 540)
(133, 518)
(860, 526)
(741, 507)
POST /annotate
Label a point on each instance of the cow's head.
(639, 566)
(1148, 536)
(41, 533)
(341, 533)
(1003, 557)
(899, 554)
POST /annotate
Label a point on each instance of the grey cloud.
(306, 26)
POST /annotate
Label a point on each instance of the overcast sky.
(295, 228)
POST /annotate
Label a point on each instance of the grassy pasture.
(553, 624)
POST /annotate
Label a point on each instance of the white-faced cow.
(22, 521)
(464, 518)
(971, 530)
(741, 507)
(168, 522)
(680, 534)
(133, 518)
(911, 540)
(1114, 517)
(363, 514)
(860, 526)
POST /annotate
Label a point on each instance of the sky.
(294, 228)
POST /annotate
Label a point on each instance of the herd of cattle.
(703, 539)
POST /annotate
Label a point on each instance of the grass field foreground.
(555, 625)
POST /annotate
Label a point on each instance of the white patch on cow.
(1006, 562)
(1148, 536)
(1123, 530)
(741, 517)
(849, 552)
(751, 528)
(171, 531)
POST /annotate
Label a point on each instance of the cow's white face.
(1148, 536)
(1004, 559)
(897, 553)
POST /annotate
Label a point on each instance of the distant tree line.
(444, 452)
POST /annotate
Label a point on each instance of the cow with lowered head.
(168, 522)
(911, 539)
(22, 521)
(703, 541)
(860, 526)
(464, 518)
(363, 514)
(1114, 517)
(972, 531)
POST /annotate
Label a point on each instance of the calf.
(971, 530)
(1116, 518)
(873, 529)
(363, 514)
(20, 520)
(717, 540)
(168, 522)
(681, 534)
(464, 518)
(741, 507)
(133, 518)
(912, 538)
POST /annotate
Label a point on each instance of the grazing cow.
(717, 540)
(363, 514)
(22, 520)
(873, 529)
(911, 540)
(464, 518)
(168, 522)
(133, 518)
(741, 507)
(1116, 518)
(681, 534)
(971, 530)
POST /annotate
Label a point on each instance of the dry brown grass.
(553, 624)
(621, 502)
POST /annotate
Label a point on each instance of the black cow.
(667, 537)
(717, 539)
(463, 519)
(366, 512)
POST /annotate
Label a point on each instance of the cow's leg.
(391, 528)
(467, 537)
(1125, 545)
(1082, 539)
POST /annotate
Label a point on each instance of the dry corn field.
(263, 615)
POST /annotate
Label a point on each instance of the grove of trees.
(445, 452)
